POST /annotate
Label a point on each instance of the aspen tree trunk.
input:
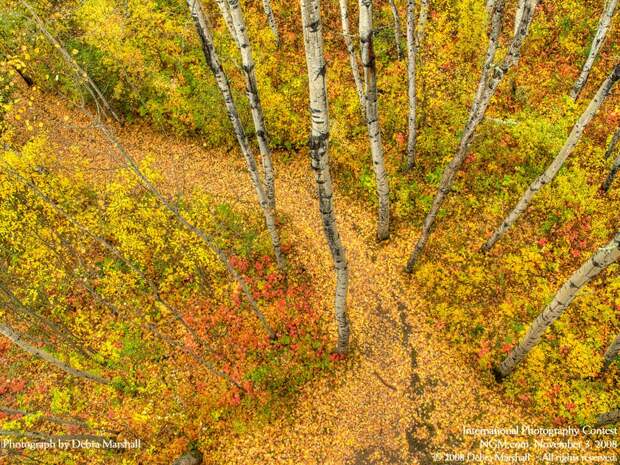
(271, 19)
(16, 338)
(255, 103)
(372, 118)
(346, 33)
(208, 48)
(225, 11)
(556, 164)
(492, 75)
(411, 88)
(612, 174)
(397, 32)
(597, 43)
(422, 20)
(490, 4)
(612, 352)
(319, 155)
(608, 418)
(613, 144)
(604, 257)
(519, 14)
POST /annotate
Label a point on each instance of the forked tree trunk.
(612, 352)
(271, 19)
(251, 86)
(597, 43)
(348, 40)
(319, 155)
(608, 418)
(411, 88)
(491, 77)
(372, 118)
(17, 339)
(604, 257)
(556, 164)
(208, 48)
(397, 33)
(422, 20)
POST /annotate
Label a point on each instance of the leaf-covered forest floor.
(403, 394)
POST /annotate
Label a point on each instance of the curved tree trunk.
(213, 61)
(608, 418)
(397, 33)
(604, 257)
(372, 118)
(346, 33)
(411, 88)
(16, 338)
(556, 164)
(489, 80)
(253, 96)
(271, 19)
(597, 43)
(319, 155)
(612, 352)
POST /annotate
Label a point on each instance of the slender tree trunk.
(372, 117)
(422, 20)
(208, 47)
(346, 33)
(608, 418)
(556, 164)
(226, 15)
(16, 338)
(604, 257)
(411, 88)
(255, 102)
(319, 155)
(489, 80)
(271, 19)
(613, 144)
(397, 33)
(612, 352)
(612, 174)
(519, 15)
(597, 43)
(490, 4)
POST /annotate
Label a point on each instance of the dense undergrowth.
(482, 304)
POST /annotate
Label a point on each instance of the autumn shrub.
(57, 267)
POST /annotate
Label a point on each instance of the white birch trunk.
(319, 155)
(604, 257)
(204, 31)
(556, 164)
(422, 20)
(597, 43)
(608, 418)
(372, 118)
(271, 19)
(16, 338)
(612, 174)
(519, 15)
(612, 352)
(491, 77)
(411, 84)
(613, 144)
(251, 85)
(226, 15)
(346, 33)
(490, 4)
(397, 33)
